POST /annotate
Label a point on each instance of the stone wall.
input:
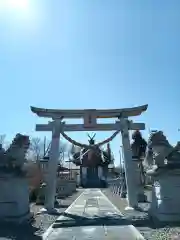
(65, 187)
(66, 182)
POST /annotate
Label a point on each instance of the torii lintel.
(98, 113)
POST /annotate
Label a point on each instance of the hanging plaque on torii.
(90, 120)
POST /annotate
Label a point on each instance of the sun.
(18, 9)
(18, 4)
(21, 13)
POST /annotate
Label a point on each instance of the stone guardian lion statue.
(160, 153)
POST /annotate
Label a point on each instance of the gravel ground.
(37, 228)
(138, 218)
(141, 221)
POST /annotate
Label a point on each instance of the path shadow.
(18, 232)
(72, 220)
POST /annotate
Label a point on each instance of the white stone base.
(48, 211)
(129, 208)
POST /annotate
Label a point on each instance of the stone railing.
(117, 186)
(65, 187)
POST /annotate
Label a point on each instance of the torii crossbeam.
(98, 113)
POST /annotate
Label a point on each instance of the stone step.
(92, 216)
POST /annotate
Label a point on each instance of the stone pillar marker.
(129, 166)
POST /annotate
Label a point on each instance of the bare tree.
(3, 142)
(36, 148)
(74, 149)
(63, 153)
(40, 149)
(2, 139)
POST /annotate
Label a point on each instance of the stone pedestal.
(165, 204)
(14, 199)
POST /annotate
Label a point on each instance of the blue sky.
(90, 54)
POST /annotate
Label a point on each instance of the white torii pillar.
(129, 166)
(52, 168)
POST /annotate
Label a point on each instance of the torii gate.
(90, 116)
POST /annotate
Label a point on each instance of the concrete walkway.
(92, 216)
